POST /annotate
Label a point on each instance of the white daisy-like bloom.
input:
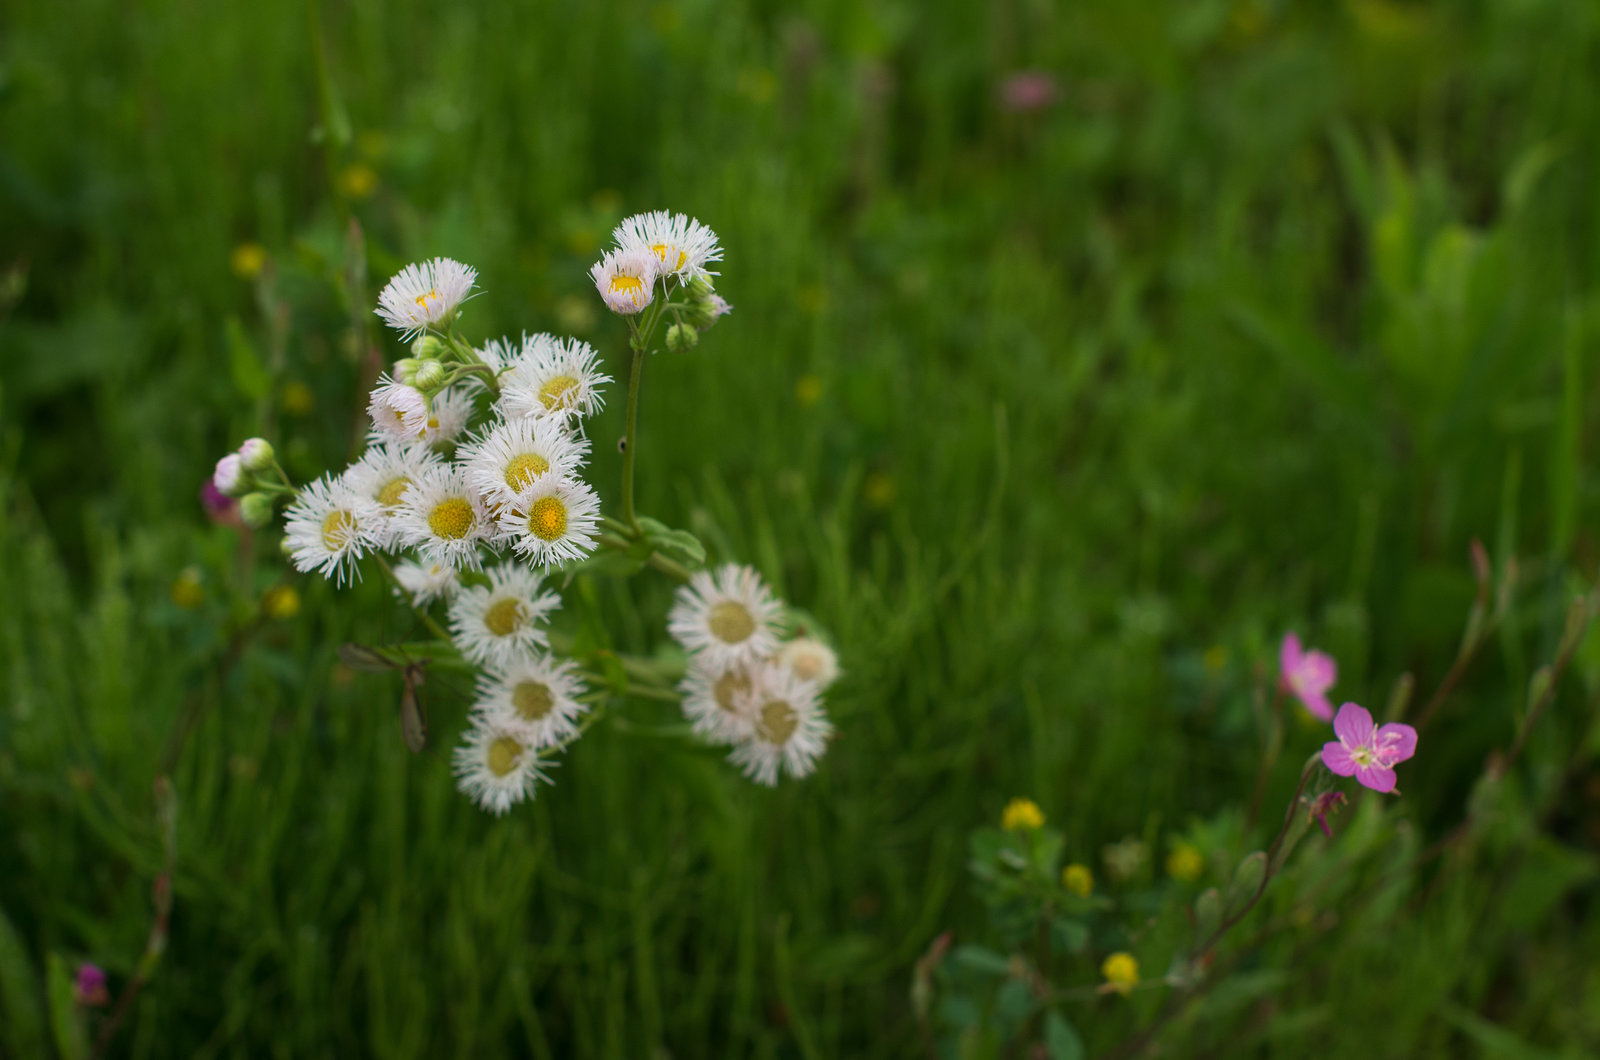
(535, 697)
(424, 294)
(329, 527)
(555, 378)
(442, 518)
(810, 660)
(398, 410)
(626, 278)
(729, 618)
(425, 582)
(448, 413)
(790, 729)
(682, 246)
(513, 455)
(383, 475)
(497, 767)
(553, 522)
(499, 624)
(713, 702)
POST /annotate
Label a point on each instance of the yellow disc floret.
(451, 518)
(532, 700)
(547, 519)
(523, 469)
(503, 617)
(503, 755)
(731, 622)
(338, 528)
(558, 392)
(778, 721)
(393, 490)
(728, 687)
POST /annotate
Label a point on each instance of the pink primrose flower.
(1308, 675)
(1365, 751)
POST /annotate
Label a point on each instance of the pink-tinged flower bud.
(1325, 805)
(256, 454)
(89, 986)
(229, 477)
(1028, 90)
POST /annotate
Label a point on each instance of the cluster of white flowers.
(745, 688)
(471, 478)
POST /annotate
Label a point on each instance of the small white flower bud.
(256, 454)
(256, 509)
(427, 348)
(428, 377)
(682, 338)
(405, 370)
(229, 477)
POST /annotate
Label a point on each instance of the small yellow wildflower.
(298, 399)
(808, 390)
(1078, 879)
(1185, 863)
(281, 602)
(186, 590)
(247, 260)
(1122, 973)
(1022, 815)
(357, 180)
(879, 489)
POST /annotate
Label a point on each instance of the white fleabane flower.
(790, 730)
(424, 294)
(329, 527)
(442, 518)
(448, 413)
(536, 698)
(555, 378)
(424, 583)
(626, 278)
(553, 522)
(730, 618)
(500, 624)
(514, 454)
(398, 410)
(497, 767)
(810, 660)
(682, 246)
(713, 702)
(383, 475)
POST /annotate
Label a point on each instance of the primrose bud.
(405, 370)
(429, 376)
(256, 454)
(427, 348)
(229, 477)
(256, 509)
(682, 338)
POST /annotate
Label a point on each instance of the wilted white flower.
(329, 527)
(442, 518)
(682, 246)
(554, 378)
(448, 413)
(497, 767)
(535, 697)
(398, 410)
(626, 278)
(424, 294)
(554, 521)
(810, 660)
(384, 474)
(713, 701)
(425, 583)
(514, 454)
(790, 730)
(730, 618)
(500, 624)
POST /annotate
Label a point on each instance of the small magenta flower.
(1325, 805)
(1307, 674)
(1366, 752)
(89, 986)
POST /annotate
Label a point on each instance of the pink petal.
(1353, 726)
(1338, 759)
(1395, 743)
(1320, 671)
(1288, 656)
(1376, 777)
(1318, 704)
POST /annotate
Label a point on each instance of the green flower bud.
(256, 454)
(682, 338)
(428, 348)
(256, 509)
(405, 369)
(428, 377)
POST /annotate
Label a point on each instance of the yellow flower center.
(532, 700)
(422, 299)
(503, 754)
(393, 490)
(522, 470)
(730, 622)
(728, 686)
(547, 518)
(558, 392)
(630, 285)
(778, 721)
(806, 664)
(451, 518)
(503, 617)
(662, 250)
(337, 528)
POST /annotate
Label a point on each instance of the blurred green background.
(1057, 400)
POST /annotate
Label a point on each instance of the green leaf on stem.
(21, 1026)
(1207, 914)
(66, 1019)
(1247, 880)
(679, 546)
(1061, 1038)
(981, 959)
